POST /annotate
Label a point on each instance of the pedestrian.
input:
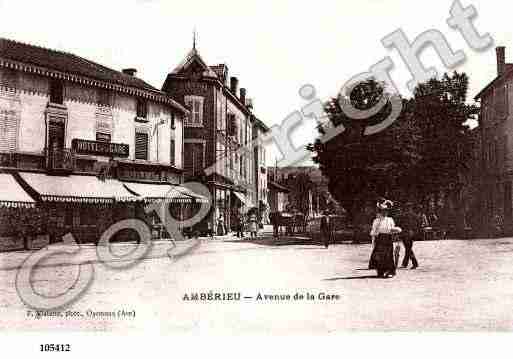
(434, 222)
(425, 225)
(498, 225)
(253, 225)
(410, 223)
(240, 225)
(326, 228)
(383, 228)
(221, 226)
(274, 218)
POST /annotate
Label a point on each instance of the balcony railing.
(61, 160)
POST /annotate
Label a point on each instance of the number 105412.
(55, 347)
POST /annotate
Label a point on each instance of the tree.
(301, 187)
(426, 149)
(441, 113)
(361, 167)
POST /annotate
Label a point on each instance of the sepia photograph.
(255, 167)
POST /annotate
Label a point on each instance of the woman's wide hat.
(384, 204)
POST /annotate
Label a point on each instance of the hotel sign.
(98, 148)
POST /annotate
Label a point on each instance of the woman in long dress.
(383, 227)
(253, 222)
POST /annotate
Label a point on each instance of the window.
(8, 130)
(103, 97)
(195, 105)
(231, 124)
(141, 146)
(56, 92)
(173, 126)
(194, 161)
(56, 135)
(172, 152)
(501, 102)
(142, 108)
(102, 137)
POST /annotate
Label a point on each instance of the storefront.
(173, 200)
(20, 220)
(82, 205)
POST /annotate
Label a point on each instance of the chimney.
(234, 84)
(243, 95)
(501, 60)
(131, 71)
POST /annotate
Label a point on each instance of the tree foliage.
(424, 148)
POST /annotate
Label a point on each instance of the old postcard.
(255, 167)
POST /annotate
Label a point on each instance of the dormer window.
(142, 109)
(57, 92)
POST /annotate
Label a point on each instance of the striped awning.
(197, 197)
(12, 195)
(152, 192)
(244, 199)
(79, 189)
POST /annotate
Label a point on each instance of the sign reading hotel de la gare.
(108, 149)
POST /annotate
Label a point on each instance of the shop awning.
(198, 197)
(12, 194)
(74, 188)
(157, 192)
(245, 200)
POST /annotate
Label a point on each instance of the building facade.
(88, 144)
(220, 125)
(259, 156)
(496, 131)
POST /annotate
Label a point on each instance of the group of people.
(247, 222)
(384, 232)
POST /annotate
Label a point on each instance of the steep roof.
(260, 124)
(192, 56)
(70, 64)
(507, 72)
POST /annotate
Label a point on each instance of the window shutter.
(172, 152)
(141, 146)
(8, 131)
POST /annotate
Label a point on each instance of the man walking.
(239, 218)
(410, 223)
(326, 228)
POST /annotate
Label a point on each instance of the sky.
(273, 47)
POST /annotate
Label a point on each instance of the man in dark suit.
(326, 228)
(410, 224)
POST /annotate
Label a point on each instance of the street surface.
(460, 285)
